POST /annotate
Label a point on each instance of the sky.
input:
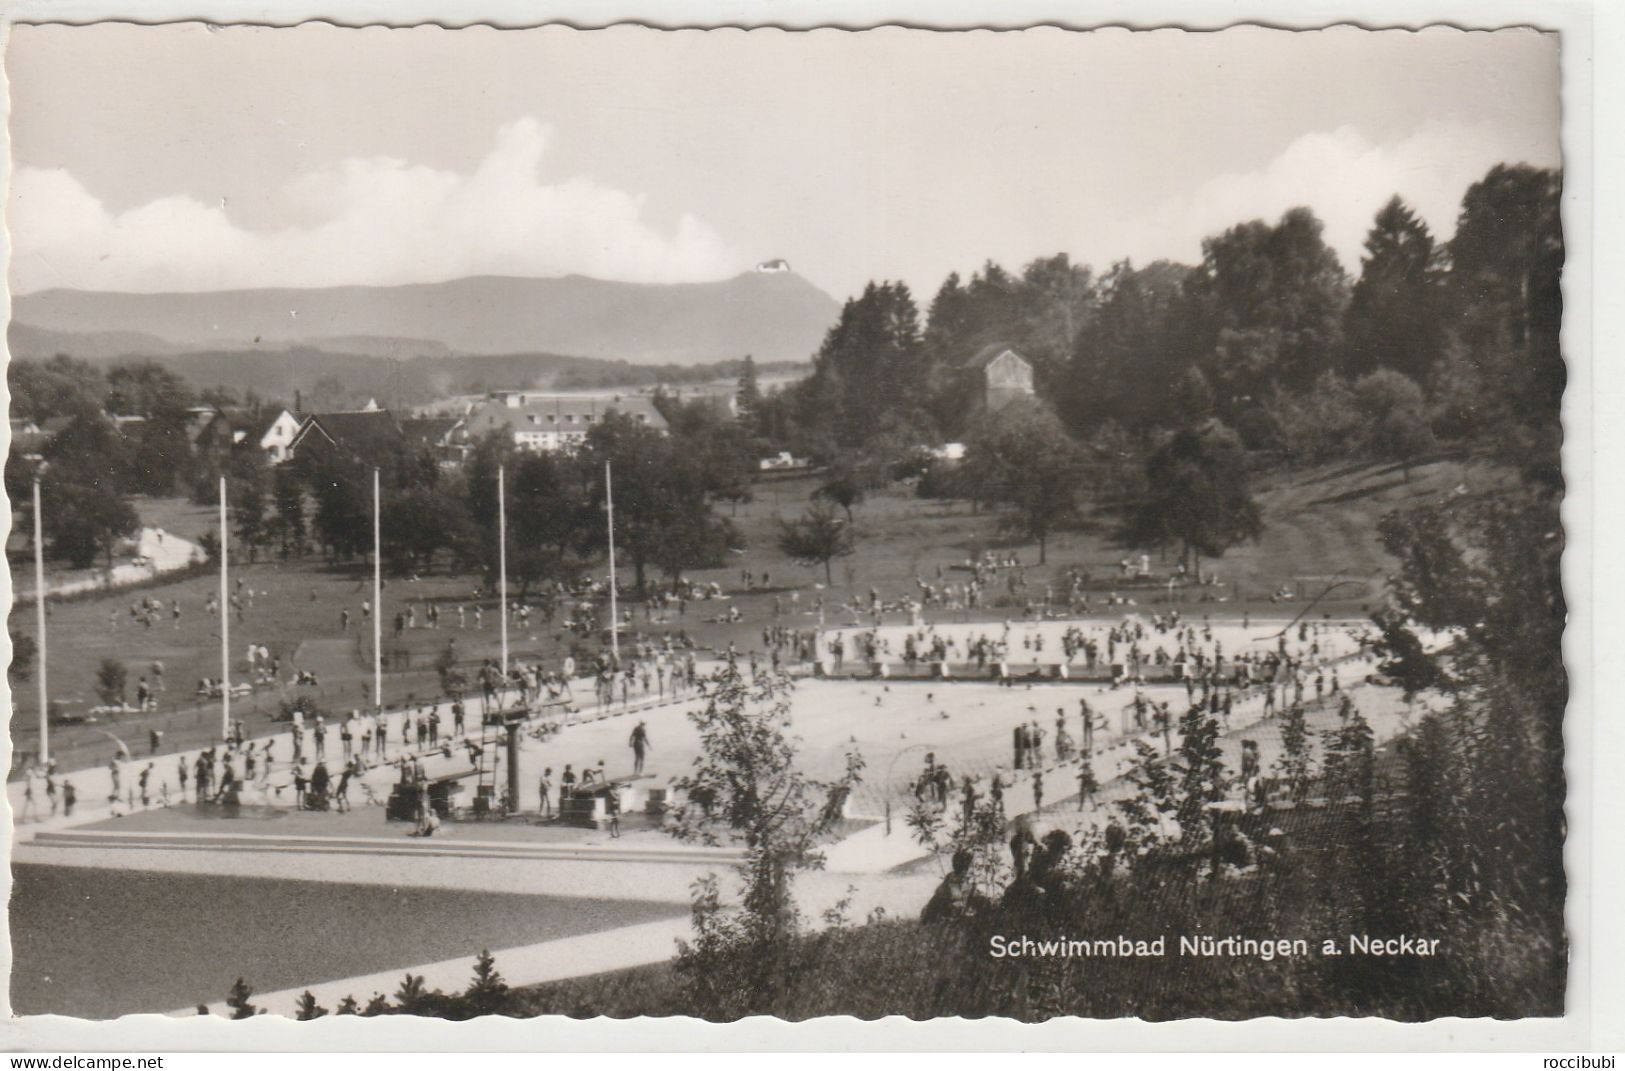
(185, 157)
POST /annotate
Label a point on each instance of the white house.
(273, 433)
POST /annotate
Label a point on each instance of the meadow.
(1320, 529)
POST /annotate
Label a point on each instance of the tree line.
(1267, 323)
(1158, 387)
(669, 488)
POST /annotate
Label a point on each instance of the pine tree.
(1295, 761)
(307, 1008)
(748, 396)
(411, 994)
(488, 993)
(1394, 318)
(238, 1001)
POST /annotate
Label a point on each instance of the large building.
(544, 422)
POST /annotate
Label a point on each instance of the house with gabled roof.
(369, 435)
(270, 430)
(1002, 375)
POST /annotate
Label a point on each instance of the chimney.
(298, 402)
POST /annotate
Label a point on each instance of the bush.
(111, 679)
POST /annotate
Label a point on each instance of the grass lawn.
(1319, 525)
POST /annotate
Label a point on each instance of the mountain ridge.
(777, 316)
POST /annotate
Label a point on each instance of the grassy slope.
(1327, 887)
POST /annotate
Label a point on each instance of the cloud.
(369, 221)
(1345, 178)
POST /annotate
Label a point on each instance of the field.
(1319, 525)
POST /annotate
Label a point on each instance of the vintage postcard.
(628, 522)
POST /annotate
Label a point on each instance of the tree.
(1398, 428)
(1317, 424)
(1200, 774)
(342, 488)
(1198, 496)
(552, 525)
(725, 455)
(1404, 657)
(248, 479)
(419, 522)
(59, 387)
(1270, 299)
(1022, 456)
(746, 786)
(1114, 462)
(146, 388)
(695, 538)
(1507, 302)
(23, 652)
(414, 997)
(1127, 352)
(848, 483)
(1489, 569)
(1405, 436)
(161, 455)
(162, 461)
(663, 513)
(239, 1003)
(748, 394)
(1506, 261)
(1056, 299)
(642, 466)
(1395, 317)
(83, 521)
(1192, 396)
(818, 538)
(1350, 764)
(90, 450)
(868, 371)
(288, 522)
(487, 994)
(1295, 763)
(307, 1009)
(83, 491)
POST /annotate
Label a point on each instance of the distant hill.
(37, 343)
(775, 316)
(342, 378)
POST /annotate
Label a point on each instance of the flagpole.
(502, 564)
(377, 600)
(225, 625)
(39, 601)
(614, 610)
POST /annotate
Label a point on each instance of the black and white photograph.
(638, 522)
